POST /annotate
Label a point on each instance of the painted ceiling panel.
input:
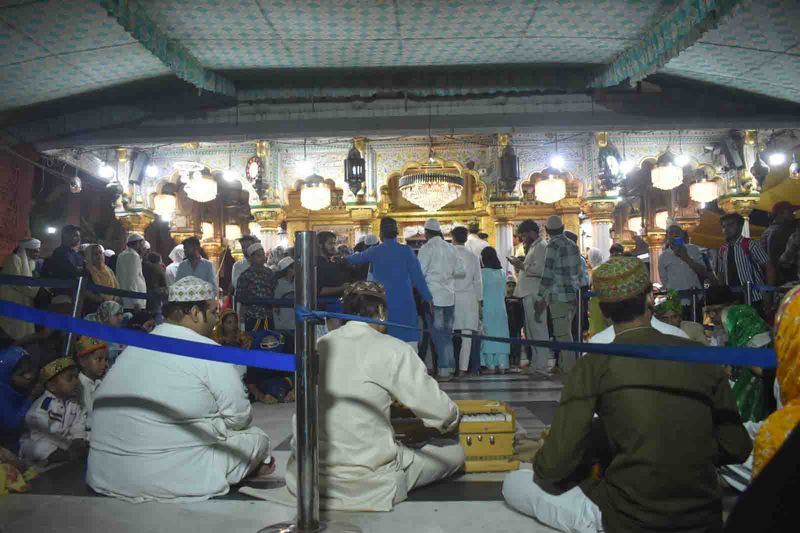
(760, 25)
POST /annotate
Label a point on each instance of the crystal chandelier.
(552, 189)
(315, 193)
(431, 190)
(666, 176)
(201, 188)
(704, 191)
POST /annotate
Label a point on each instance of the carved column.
(601, 214)
(136, 219)
(269, 220)
(569, 209)
(214, 252)
(655, 239)
(503, 212)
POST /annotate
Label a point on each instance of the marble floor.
(68, 507)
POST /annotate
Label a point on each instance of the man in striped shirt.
(741, 259)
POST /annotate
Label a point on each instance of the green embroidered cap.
(620, 278)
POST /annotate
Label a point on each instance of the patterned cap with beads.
(86, 345)
(191, 289)
(620, 278)
(54, 368)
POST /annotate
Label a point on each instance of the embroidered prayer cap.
(30, 244)
(192, 289)
(554, 222)
(253, 248)
(620, 278)
(285, 263)
(134, 237)
(87, 345)
(371, 240)
(433, 225)
(366, 288)
(54, 368)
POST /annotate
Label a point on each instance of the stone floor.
(61, 502)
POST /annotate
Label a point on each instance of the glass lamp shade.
(666, 177)
(660, 220)
(635, 225)
(704, 191)
(432, 190)
(164, 205)
(255, 229)
(233, 232)
(315, 194)
(208, 231)
(551, 190)
(201, 188)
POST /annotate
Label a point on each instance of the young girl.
(494, 355)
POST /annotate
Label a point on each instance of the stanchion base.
(324, 527)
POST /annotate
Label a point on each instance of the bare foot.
(262, 472)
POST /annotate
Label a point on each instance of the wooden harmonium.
(486, 432)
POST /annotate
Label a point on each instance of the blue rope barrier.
(197, 350)
(25, 281)
(760, 357)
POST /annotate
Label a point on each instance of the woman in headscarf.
(780, 424)
(18, 390)
(177, 255)
(752, 387)
(597, 322)
(100, 275)
(494, 355)
(20, 263)
(110, 314)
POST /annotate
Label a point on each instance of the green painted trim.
(680, 29)
(133, 16)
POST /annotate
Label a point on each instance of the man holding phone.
(681, 267)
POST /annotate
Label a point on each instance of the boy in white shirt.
(56, 423)
(92, 357)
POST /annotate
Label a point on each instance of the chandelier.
(164, 205)
(704, 191)
(233, 232)
(201, 188)
(552, 189)
(431, 190)
(666, 176)
(315, 193)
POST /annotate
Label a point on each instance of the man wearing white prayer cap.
(173, 428)
(176, 256)
(20, 263)
(257, 282)
(129, 271)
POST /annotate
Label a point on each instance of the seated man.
(361, 372)
(171, 428)
(667, 425)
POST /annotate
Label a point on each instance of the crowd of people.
(636, 444)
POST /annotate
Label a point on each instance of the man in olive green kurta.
(666, 426)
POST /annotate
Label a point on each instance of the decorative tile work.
(759, 24)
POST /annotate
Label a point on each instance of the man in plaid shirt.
(559, 287)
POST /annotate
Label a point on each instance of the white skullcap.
(177, 254)
(146, 245)
(84, 246)
(253, 248)
(371, 240)
(191, 289)
(30, 244)
(433, 225)
(134, 237)
(109, 253)
(285, 263)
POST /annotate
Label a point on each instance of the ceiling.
(250, 50)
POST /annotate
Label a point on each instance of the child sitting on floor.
(56, 423)
(270, 386)
(92, 357)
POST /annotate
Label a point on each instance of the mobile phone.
(679, 241)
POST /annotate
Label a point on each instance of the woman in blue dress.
(494, 355)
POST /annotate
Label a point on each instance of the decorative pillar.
(269, 220)
(503, 212)
(742, 204)
(568, 209)
(136, 219)
(214, 252)
(655, 239)
(601, 212)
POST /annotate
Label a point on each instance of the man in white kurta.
(129, 271)
(20, 263)
(469, 294)
(361, 372)
(171, 428)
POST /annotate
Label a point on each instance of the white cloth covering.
(475, 244)
(607, 335)
(51, 424)
(130, 277)
(86, 400)
(571, 511)
(170, 428)
(177, 255)
(441, 265)
(469, 293)
(361, 466)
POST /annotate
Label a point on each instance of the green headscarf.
(742, 324)
(671, 304)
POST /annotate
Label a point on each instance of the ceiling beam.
(133, 16)
(684, 25)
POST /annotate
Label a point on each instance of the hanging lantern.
(164, 205)
(552, 189)
(666, 175)
(201, 188)
(233, 232)
(207, 231)
(315, 193)
(660, 220)
(704, 191)
(509, 170)
(355, 170)
(635, 224)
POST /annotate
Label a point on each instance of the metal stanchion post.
(306, 383)
(748, 295)
(694, 305)
(580, 315)
(76, 310)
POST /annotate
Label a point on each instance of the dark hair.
(324, 236)
(626, 310)
(474, 228)
(69, 228)
(489, 258)
(720, 295)
(184, 308)
(616, 248)
(571, 236)
(191, 241)
(483, 236)
(365, 305)
(557, 231)
(459, 234)
(433, 233)
(528, 225)
(359, 247)
(154, 258)
(735, 217)
(139, 318)
(388, 228)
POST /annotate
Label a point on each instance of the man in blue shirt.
(396, 267)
